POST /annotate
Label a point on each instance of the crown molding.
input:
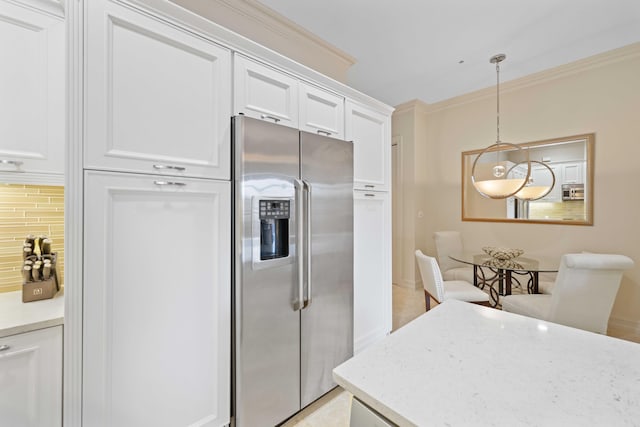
(265, 26)
(415, 106)
(572, 68)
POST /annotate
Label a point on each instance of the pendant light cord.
(497, 102)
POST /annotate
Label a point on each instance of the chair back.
(431, 275)
(448, 243)
(585, 290)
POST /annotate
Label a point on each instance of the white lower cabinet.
(156, 330)
(31, 378)
(372, 268)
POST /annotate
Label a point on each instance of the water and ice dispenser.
(274, 229)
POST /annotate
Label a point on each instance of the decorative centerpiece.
(502, 254)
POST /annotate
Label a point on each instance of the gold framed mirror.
(569, 202)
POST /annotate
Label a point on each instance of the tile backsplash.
(28, 209)
(573, 210)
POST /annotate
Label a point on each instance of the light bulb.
(499, 171)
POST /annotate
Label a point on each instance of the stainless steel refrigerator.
(293, 268)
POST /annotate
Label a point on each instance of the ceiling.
(437, 49)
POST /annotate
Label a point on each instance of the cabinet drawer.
(158, 96)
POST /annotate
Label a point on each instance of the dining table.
(501, 275)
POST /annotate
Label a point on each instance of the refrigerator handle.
(307, 232)
(299, 303)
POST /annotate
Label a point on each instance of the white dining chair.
(450, 243)
(583, 294)
(441, 290)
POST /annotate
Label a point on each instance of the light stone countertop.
(462, 364)
(17, 317)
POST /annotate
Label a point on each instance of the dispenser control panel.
(274, 228)
(274, 209)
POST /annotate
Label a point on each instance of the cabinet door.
(31, 379)
(32, 89)
(572, 173)
(156, 330)
(372, 268)
(541, 176)
(158, 96)
(321, 112)
(264, 93)
(370, 132)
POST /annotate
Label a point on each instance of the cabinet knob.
(266, 116)
(4, 347)
(175, 168)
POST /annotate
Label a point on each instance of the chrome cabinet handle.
(369, 186)
(298, 304)
(369, 195)
(16, 163)
(266, 116)
(175, 168)
(177, 184)
(323, 132)
(4, 347)
(307, 221)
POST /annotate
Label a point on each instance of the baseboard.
(624, 328)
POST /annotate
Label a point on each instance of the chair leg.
(427, 301)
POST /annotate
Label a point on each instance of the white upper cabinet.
(321, 112)
(264, 93)
(370, 132)
(158, 96)
(32, 89)
(31, 378)
(572, 173)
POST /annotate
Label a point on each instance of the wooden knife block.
(42, 289)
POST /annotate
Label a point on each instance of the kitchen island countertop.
(17, 317)
(463, 364)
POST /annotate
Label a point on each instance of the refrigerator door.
(326, 164)
(267, 325)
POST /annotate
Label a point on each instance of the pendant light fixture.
(533, 190)
(490, 172)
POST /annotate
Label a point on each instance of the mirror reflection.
(570, 200)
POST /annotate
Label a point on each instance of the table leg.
(535, 282)
(508, 283)
(475, 276)
(500, 281)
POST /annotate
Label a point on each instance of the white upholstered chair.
(450, 243)
(583, 294)
(441, 290)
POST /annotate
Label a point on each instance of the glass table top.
(521, 263)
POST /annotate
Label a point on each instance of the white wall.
(263, 25)
(599, 94)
